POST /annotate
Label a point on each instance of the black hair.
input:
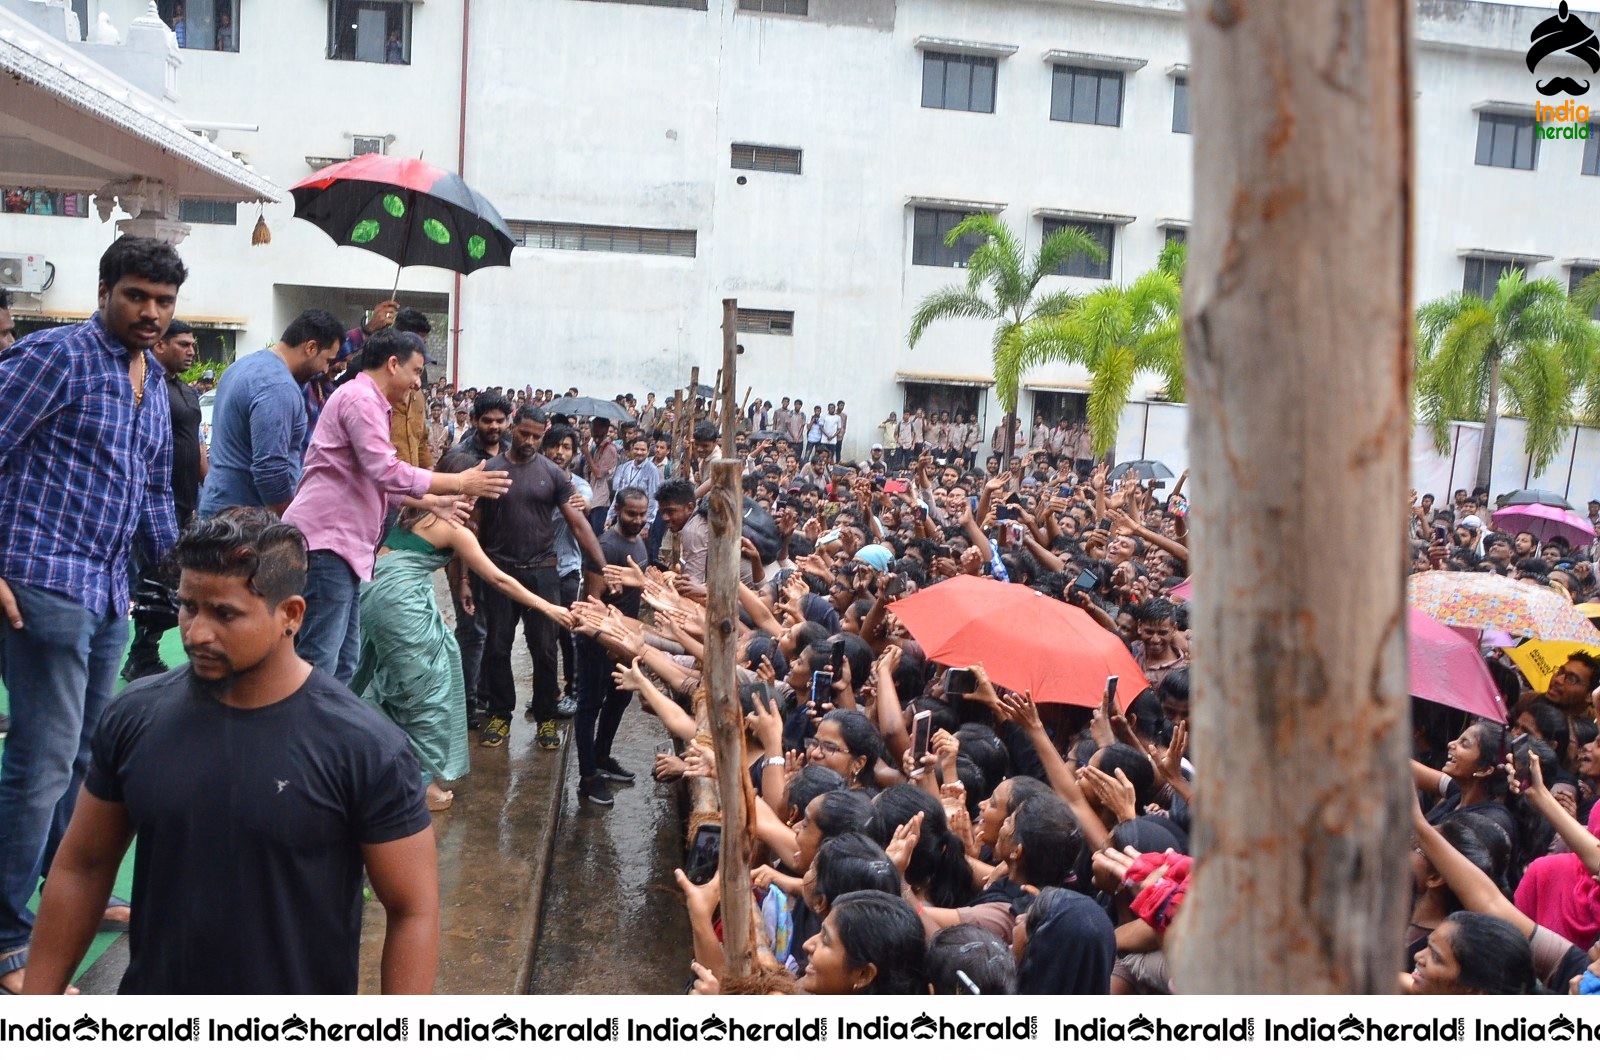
(939, 861)
(248, 543)
(706, 431)
(413, 321)
(1459, 831)
(1050, 839)
(861, 739)
(531, 414)
(806, 634)
(1493, 955)
(631, 493)
(1584, 731)
(1175, 685)
(1552, 724)
(1136, 767)
(979, 743)
(975, 951)
(314, 325)
(556, 435)
(401, 345)
(150, 259)
(174, 329)
(849, 863)
(811, 782)
(677, 491)
(839, 812)
(486, 403)
(1591, 661)
(1145, 714)
(884, 931)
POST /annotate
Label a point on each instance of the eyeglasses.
(827, 747)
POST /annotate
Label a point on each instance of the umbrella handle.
(397, 270)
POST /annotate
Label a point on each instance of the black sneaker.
(494, 732)
(611, 769)
(5, 725)
(594, 789)
(474, 718)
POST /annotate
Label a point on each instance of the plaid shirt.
(82, 470)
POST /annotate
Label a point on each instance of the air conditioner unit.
(24, 272)
(368, 145)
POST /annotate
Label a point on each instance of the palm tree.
(1116, 333)
(1000, 288)
(1528, 340)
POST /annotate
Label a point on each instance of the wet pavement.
(614, 920)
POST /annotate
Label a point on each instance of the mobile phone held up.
(921, 734)
(1087, 582)
(960, 681)
(704, 854)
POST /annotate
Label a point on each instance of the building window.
(1591, 152)
(1480, 275)
(1180, 104)
(766, 159)
(370, 31)
(1102, 233)
(206, 212)
(1507, 141)
(1086, 95)
(203, 25)
(958, 82)
(1174, 234)
(612, 239)
(691, 5)
(42, 203)
(776, 7)
(1578, 275)
(765, 321)
(929, 228)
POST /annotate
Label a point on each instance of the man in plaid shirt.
(85, 475)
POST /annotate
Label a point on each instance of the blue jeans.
(330, 636)
(60, 671)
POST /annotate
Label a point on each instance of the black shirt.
(185, 405)
(618, 550)
(247, 876)
(519, 528)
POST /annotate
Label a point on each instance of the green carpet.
(172, 655)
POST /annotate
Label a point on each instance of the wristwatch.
(775, 760)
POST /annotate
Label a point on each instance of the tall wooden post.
(686, 420)
(730, 370)
(726, 516)
(1298, 332)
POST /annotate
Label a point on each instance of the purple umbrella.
(1544, 522)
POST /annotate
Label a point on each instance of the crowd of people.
(918, 827)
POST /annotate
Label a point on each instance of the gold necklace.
(138, 388)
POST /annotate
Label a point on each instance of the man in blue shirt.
(258, 427)
(85, 474)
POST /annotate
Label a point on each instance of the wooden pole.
(1299, 361)
(725, 514)
(727, 377)
(686, 420)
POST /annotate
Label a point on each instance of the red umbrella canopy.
(1026, 641)
(408, 211)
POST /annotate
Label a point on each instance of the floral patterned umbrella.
(1473, 600)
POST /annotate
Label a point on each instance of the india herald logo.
(1563, 32)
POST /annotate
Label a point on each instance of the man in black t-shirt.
(153, 612)
(600, 703)
(259, 789)
(518, 532)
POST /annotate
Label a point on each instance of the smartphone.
(960, 681)
(967, 985)
(921, 733)
(1013, 535)
(1111, 687)
(1178, 506)
(838, 659)
(894, 486)
(1087, 582)
(704, 854)
(822, 688)
(1064, 491)
(665, 748)
(1439, 535)
(1524, 773)
(1005, 513)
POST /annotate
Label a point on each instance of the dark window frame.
(208, 212)
(1180, 106)
(1484, 282)
(1576, 274)
(764, 322)
(613, 239)
(763, 158)
(795, 8)
(341, 29)
(941, 83)
(168, 8)
(44, 202)
(1066, 103)
(1504, 140)
(1081, 265)
(1174, 234)
(929, 226)
(686, 5)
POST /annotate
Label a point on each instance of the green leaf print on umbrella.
(365, 231)
(477, 246)
(395, 205)
(436, 231)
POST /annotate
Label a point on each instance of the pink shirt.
(351, 473)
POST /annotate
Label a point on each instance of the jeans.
(658, 532)
(503, 616)
(60, 671)
(471, 631)
(571, 585)
(601, 705)
(330, 636)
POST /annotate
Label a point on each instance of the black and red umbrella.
(408, 211)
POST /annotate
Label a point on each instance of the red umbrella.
(1025, 640)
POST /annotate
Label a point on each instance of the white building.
(802, 156)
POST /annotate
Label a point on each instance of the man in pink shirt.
(351, 478)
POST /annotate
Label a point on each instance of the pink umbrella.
(1182, 592)
(1445, 668)
(1544, 522)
